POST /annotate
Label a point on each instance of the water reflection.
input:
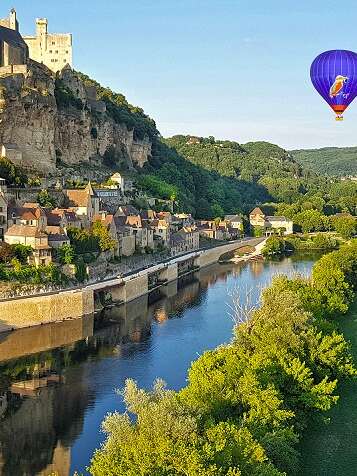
(57, 381)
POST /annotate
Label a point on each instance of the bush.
(274, 246)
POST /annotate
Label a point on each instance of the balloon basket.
(339, 118)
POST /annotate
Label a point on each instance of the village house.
(185, 240)
(31, 236)
(235, 221)
(30, 214)
(84, 202)
(127, 210)
(3, 209)
(270, 225)
(56, 236)
(177, 244)
(125, 237)
(209, 229)
(123, 183)
(64, 218)
(161, 231)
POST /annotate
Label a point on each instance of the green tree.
(45, 200)
(66, 254)
(101, 232)
(274, 246)
(22, 252)
(346, 226)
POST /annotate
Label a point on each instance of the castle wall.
(52, 49)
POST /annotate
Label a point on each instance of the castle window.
(56, 51)
(66, 51)
(64, 60)
(53, 42)
(50, 51)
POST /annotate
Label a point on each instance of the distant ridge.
(331, 161)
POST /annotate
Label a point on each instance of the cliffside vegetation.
(122, 111)
(246, 403)
(332, 161)
(13, 175)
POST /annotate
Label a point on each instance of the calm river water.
(57, 382)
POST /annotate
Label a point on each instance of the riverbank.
(328, 447)
(73, 303)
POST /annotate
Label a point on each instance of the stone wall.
(18, 313)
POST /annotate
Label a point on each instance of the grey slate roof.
(12, 37)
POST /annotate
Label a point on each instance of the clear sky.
(232, 69)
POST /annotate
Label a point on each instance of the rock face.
(48, 133)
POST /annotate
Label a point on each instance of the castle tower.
(41, 33)
(52, 49)
(13, 23)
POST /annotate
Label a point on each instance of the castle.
(54, 50)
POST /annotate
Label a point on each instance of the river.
(58, 381)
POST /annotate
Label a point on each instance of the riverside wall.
(45, 308)
(32, 311)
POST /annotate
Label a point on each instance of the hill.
(210, 177)
(331, 161)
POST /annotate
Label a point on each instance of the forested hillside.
(209, 177)
(332, 161)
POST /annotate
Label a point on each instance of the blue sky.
(232, 69)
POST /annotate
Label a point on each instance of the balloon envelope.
(334, 76)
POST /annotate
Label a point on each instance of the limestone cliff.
(55, 121)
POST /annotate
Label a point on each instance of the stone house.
(191, 236)
(144, 234)
(127, 210)
(56, 236)
(30, 214)
(123, 183)
(177, 244)
(270, 224)
(209, 229)
(125, 237)
(63, 217)
(161, 231)
(185, 240)
(235, 221)
(84, 202)
(31, 236)
(3, 209)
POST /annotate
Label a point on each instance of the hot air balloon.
(334, 76)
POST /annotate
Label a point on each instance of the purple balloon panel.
(334, 76)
